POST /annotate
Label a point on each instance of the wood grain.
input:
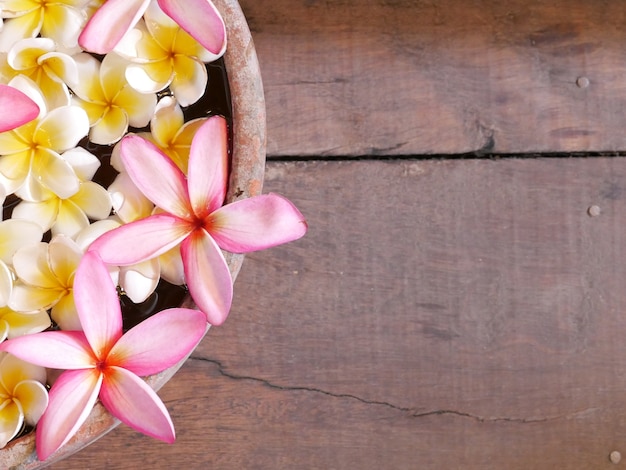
(414, 77)
(458, 314)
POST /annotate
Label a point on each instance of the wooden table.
(460, 299)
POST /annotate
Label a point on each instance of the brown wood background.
(441, 313)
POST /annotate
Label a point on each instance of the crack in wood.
(411, 412)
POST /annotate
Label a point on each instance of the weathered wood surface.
(458, 314)
(413, 77)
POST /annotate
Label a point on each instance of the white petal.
(16, 234)
(84, 163)
(140, 280)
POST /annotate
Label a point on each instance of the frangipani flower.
(45, 274)
(23, 397)
(39, 60)
(60, 20)
(110, 102)
(115, 18)
(194, 216)
(30, 154)
(70, 215)
(103, 363)
(67, 216)
(23, 109)
(163, 55)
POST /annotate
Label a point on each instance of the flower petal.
(71, 399)
(141, 240)
(189, 81)
(21, 324)
(207, 275)
(31, 265)
(109, 24)
(200, 19)
(156, 176)
(208, 167)
(129, 203)
(14, 234)
(70, 220)
(97, 304)
(133, 402)
(14, 370)
(33, 397)
(11, 420)
(159, 342)
(62, 128)
(43, 213)
(256, 223)
(53, 349)
(140, 280)
(84, 163)
(23, 109)
(93, 199)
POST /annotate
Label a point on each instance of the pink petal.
(200, 19)
(23, 109)
(141, 240)
(72, 397)
(156, 175)
(109, 24)
(53, 349)
(134, 403)
(208, 167)
(256, 223)
(207, 275)
(97, 304)
(159, 342)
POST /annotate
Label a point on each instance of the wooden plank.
(365, 77)
(461, 314)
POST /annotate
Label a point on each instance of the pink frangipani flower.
(22, 108)
(194, 217)
(115, 18)
(102, 362)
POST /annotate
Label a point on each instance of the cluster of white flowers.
(57, 209)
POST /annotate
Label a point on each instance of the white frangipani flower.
(30, 159)
(162, 55)
(45, 273)
(51, 70)
(60, 20)
(110, 102)
(23, 396)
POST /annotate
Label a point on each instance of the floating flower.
(103, 363)
(115, 18)
(194, 216)
(23, 397)
(14, 324)
(23, 109)
(60, 20)
(45, 274)
(110, 102)
(70, 215)
(30, 154)
(39, 60)
(163, 55)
